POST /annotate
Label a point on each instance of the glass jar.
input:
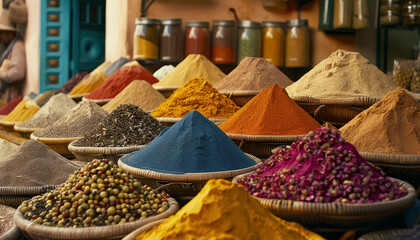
(411, 12)
(224, 42)
(326, 14)
(361, 14)
(343, 11)
(171, 40)
(297, 44)
(146, 39)
(197, 39)
(389, 12)
(273, 42)
(249, 39)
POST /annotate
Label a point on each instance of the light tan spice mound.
(391, 125)
(6, 148)
(343, 75)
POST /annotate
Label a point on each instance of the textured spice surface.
(55, 108)
(6, 219)
(81, 119)
(6, 148)
(271, 112)
(10, 106)
(163, 71)
(192, 145)
(91, 81)
(343, 75)
(392, 125)
(22, 112)
(34, 164)
(117, 81)
(139, 93)
(225, 210)
(253, 74)
(193, 66)
(127, 125)
(197, 94)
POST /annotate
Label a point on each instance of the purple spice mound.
(322, 168)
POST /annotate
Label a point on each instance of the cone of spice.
(72, 82)
(90, 82)
(43, 98)
(10, 106)
(6, 148)
(391, 125)
(196, 94)
(116, 82)
(22, 112)
(139, 93)
(224, 210)
(271, 112)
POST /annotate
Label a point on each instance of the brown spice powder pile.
(392, 125)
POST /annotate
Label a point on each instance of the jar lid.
(223, 23)
(247, 23)
(272, 24)
(169, 21)
(297, 23)
(147, 21)
(197, 24)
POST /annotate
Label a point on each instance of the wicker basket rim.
(360, 100)
(345, 208)
(135, 233)
(240, 92)
(8, 123)
(81, 95)
(263, 138)
(172, 120)
(166, 88)
(26, 129)
(5, 190)
(384, 233)
(97, 101)
(47, 140)
(397, 159)
(103, 150)
(89, 232)
(188, 176)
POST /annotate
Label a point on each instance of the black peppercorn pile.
(128, 125)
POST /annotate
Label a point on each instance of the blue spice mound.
(192, 145)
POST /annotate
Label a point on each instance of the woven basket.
(337, 115)
(8, 126)
(26, 132)
(355, 101)
(308, 107)
(87, 154)
(39, 232)
(338, 215)
(59, 145)
(386, 234)
(78, 97)
(182, 185)
(100, 102)
(166, 91)
(240, 97)
(261, 146)
(14, 196)
(169, 122)
(13, 137)
(13, 233)
(401, 166)
(133, 235)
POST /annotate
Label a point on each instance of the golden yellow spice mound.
(197, 94)
(225, 210)
(22, 112)
(91, 81)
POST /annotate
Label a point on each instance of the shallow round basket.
(241, 97)
(261, 146)
(39, 232)
(100, 102)
(133, 235)
(14, 196)
(26, 132)
(340, 216)
(402, 166)
(14, 232)
(111, 153)
(78, 97)
(166, 91)
(182, 185)
(59, 145)
(388, 234)
(168, 122)
(8, 126)
(308, 107)
(355, 101)
(337, 115)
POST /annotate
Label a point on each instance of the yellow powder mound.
(225, 210)
(22, 112)
(193, 66)
(92, 81)
(343, 75)
(197, 94)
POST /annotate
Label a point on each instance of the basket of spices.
(250, 77)
(133, 235)
(72, 126)
(20, 172)
(68, 212)
(400, 233)
(126, 129)
(100, 102)
(194, 65)
(196, 94)
(270, 119)
(386, 134)
(182, 158)
(8, 229)
(321, 181)
(22, 112)
(224, 210)
(55, 108)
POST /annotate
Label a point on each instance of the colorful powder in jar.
(197, 38)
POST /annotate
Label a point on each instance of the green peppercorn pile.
(98, 194)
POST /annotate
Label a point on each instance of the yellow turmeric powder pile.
(91, 81)
(225, 210)
(197, 94)
(22, 112)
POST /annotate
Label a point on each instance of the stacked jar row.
(283, 44)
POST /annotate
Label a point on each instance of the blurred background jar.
(171, 40)
(390, 12)
(146, 39)
(297, 44)
(197, 38)
(249, 39)
(224, 42)
(273, 42)
(360, 14)
(411, 12)
(343, 13)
